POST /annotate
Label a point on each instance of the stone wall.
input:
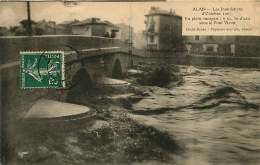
(11, 46)
(205, 60)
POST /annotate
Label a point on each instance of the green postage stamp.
(42, 69)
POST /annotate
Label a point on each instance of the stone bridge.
(89, 61)
(98, 56)
(96, 64)
(92, 60)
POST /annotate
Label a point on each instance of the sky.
(117, 12)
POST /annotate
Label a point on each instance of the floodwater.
(214, 115)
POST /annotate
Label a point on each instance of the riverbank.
(113, 137)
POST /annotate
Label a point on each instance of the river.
(214, 114)
(211, 117)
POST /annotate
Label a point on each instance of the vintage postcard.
(139, 83)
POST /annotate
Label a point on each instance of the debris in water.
(224, 94)
(158, 75)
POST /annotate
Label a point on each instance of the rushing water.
(214, 114)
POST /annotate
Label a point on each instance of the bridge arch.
(81, 85)
(117, 71)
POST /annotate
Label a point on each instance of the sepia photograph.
(139, 83)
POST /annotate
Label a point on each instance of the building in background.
(223, 45)
(95, 27)
(65, 27)
(139, 40)
(126, 32)
(46, 27)
(163, 29)
(247, 46)
(210, 45)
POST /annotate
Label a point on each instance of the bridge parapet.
(76, 56)
(12, 45)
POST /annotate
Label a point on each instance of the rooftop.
(69, 22)
(93, 21)
(158, 11)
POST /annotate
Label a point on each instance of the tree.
(22, 29)
(38, 31)
(25, 23)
